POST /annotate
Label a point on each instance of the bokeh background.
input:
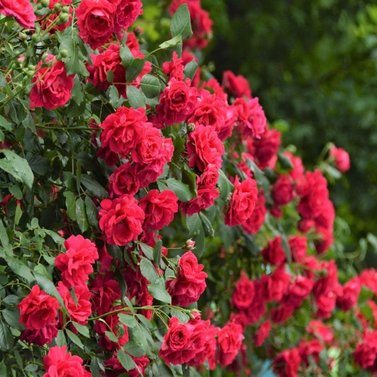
(314, 66)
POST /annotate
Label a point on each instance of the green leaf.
(81, 219)
(135, 96)
(181, 23)
(12, 318)
(225, 185)
(77, 93)
(148, 270)
(6, 338)
(4, 239)
(126, 56)
(173, 42)
(134, 349)
(147, 250)
(17, 167)
(49, 287)
(60, 339)
(74, 59)
(150, 86)
(126, 360)
(207, 225)
(159, 292)
(182, 316)
(83, 330)
(20, 268)
(5, 124)
(190, 69)
(157, 252)
(91, 211)
(189, 178)
(93, 186)
(74, 338)
(128, 320)
(111, 336)
(134, 69)
(70, 203)
(181, 190)
(114, 98)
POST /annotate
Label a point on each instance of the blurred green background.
(314, 66)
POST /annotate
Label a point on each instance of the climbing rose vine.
(152, 223)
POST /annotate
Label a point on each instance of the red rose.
(265, 149)
(348, 295)
(21, 10)
(52, 86)
(176, 102)
(250, 117)
(121, 219)
(148, 148)
(320, 330)
(256, 220)
(190, 282)
(95, 20)
(282, 312)
(299, 290)
(298, 246)
(230, 339)
(310, 349)
(59, 362)
(177, 346)
(258, 307)
(244, 292)
(242, 203)
(75, 264)
(286, 363)
(105, 290)
(282, 190)
(159, 208)
(42, 336)
(276, 284)
(366, 352)
(368, 279)
(174, 69)
(79, 309)
(38, 309)
(126, 13)
(274, 253)
(124, 180)
(211, 110)
(207, 191)
(262, 333)
(204, 147)
(238, 86)
(123, 129)
(341, 158)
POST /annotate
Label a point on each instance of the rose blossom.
(21, 10)
(75, 264)
(230, 339)
(95, 21)
(79, 309)
(121, 219)
(204, 147)
(58, 362)
(38, 309)
(236, 85)
(244, 291)
(274, 253)
(242, 202)
(52, 86)
(341, 158)
(190, 282)
(286, 363)
(159, 208)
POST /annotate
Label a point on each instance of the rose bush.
(151, 221)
